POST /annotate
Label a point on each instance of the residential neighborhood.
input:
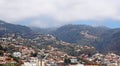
(14, 52)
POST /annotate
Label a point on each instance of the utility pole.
(40, 57)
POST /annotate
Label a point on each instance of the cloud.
(58, 12)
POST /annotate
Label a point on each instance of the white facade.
(17, 54)
(29, 64)
(80, 65)
(34, 62)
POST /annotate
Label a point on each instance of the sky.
(54, 13)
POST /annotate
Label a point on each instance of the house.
(17, 54)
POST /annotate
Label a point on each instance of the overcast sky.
(53, 13)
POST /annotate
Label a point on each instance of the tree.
(67, 61)
(1, 53)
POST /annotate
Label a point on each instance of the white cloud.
(59, 11)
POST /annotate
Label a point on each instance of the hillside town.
(18, 51)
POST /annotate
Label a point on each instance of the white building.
(29, 64)
(17, 54)
(34, 62)
(80, 65)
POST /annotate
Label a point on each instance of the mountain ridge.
(12, 28)
(103, 39)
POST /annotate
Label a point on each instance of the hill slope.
(12, 28)
(103, 38)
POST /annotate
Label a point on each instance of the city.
(14, 52)
(59, 32)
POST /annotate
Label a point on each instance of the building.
(17, 54)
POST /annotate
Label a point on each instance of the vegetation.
(11, 28)
(102, 38)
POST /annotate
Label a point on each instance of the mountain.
(47, 41)
(104, 39)
(76, 33)
(6, 28)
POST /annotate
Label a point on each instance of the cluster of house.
(109, 59)
(13, 51)
(28, 56)
(47, 57)
(5, 59)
